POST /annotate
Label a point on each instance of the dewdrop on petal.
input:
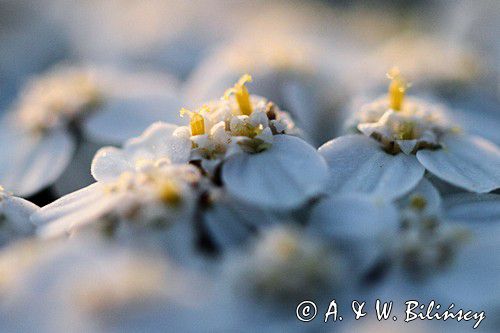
(240, 92)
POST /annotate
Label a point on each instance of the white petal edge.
(74, 210)
(109, 163)
(469, 162)
(354, 217)
(472, 208)
(160, 140)
(29, 163)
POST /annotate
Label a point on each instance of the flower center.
(286, 267)
(426, 245)
(58, 99)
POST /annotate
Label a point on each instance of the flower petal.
(284, 176)
(15, 217)
(357, 164)
(109, 163)
(354, 217)
(160, 140)
(74, 210)
(476, 209)
(469, 162)
(29, 162)
(231, 222)
(357, 224)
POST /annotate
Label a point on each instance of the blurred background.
(175, 36)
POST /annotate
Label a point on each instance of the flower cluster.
(234, 210)
(236, 122)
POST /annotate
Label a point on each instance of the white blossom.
(402, 138)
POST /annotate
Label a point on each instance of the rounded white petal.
(476, 209)
(354, 217)
(283, 176)
(469, 162)
(109, 163)
(29, 162)
(231, 222)
(160, 140)
(357, 164)
(356, 223)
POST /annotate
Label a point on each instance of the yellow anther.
(240, 92)
(169, 192)
(418, 202)
(197, 122)
(397, 89)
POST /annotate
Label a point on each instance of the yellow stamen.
(397, 89)
(197, 122)
(169, 192)
(241, 94)
(418, 202)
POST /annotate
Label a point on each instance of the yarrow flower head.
(247, 143)
(112, 281)
(144, 185)
(71, 105)
(58, 98)
(289, 69)
(284, 267)
(401, 124)
(425, 244)
(236, 122)
(400, 139)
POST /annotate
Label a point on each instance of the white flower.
(91, 286)
(261, 164)
(144, 186)
(400, 140)
(291, 70)
(15, 217)
(445, 253)
(102, 105)
(283, 267)
(357, 224)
